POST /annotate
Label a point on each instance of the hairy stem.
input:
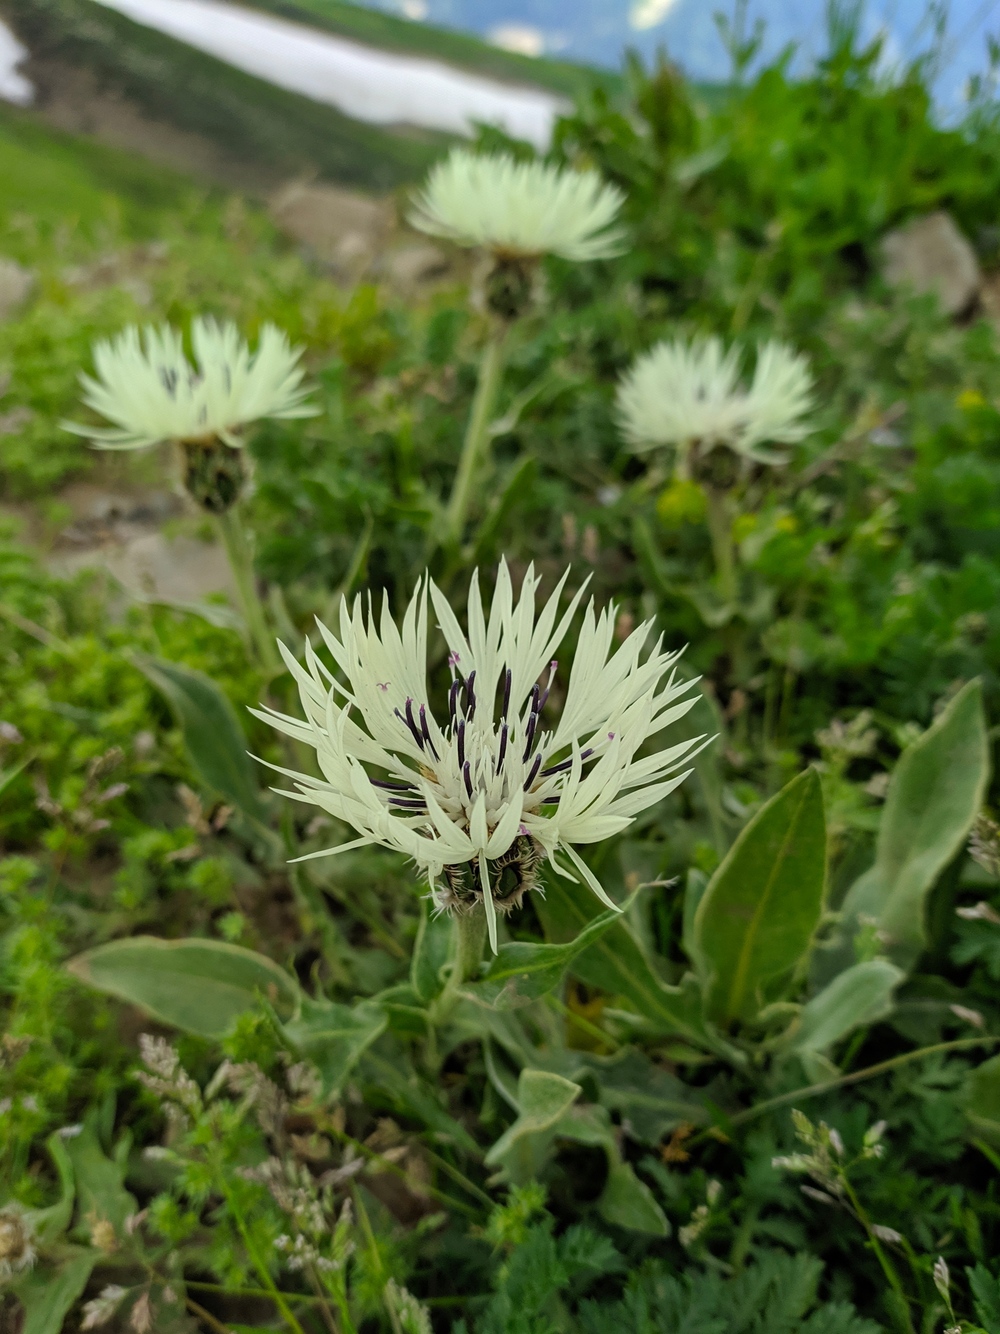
(237, 544)
(720, 529)
(476, 442)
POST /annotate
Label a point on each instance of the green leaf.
(335, 1036)
(521, 971)
(48, 1291)
(200, 986)
(755, 922)
(542, 1099)
(628, 1202)
(54, 1219)
(652, 1101)
(981, 1100)
(100, 1182)
(212, 733)
(616, 963)
(935, 793)
(859, 995)
(430, 952)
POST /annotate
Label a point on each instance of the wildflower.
(17, 1251)
(149, 389)
(518, 211)
(480, 801)
(519, 208)
(689, 395)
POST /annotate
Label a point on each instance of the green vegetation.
(238, 1093)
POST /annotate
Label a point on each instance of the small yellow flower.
(683, 501)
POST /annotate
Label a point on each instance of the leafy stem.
(237, 544)
(477, 435)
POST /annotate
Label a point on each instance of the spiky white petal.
(464, 791)
(148, 388)
(681, 392)
(520, 208)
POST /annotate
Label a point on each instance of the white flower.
(520, 208)
(147, 387)
(682, 393)
(486, 795)
(17, 1250)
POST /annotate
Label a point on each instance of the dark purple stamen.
(461, 741)
(456, 686)
(549, 801)
(533, 772)
(411, 723)
(563, 765)
(467, 775)
(503, 746)
(415, 805)
(529, 737)
(425, 733)
(506, 694)
(470, 697)
(391, 787)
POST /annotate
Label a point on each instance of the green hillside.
(248, 119)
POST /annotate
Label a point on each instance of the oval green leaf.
(200, 986)
(755, 922)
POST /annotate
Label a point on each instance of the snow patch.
(381, 87)
(14, 87)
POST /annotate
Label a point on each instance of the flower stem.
(476, 441)
(720, 528)
(888, 1269)
(237, 544)
(468, 936)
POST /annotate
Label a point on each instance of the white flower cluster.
(681, 393)
(521, 209)
(148, 388)
(484, 795)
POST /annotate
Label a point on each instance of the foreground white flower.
(147, 387)
(482, 798)
(520, 209)
(683, 394)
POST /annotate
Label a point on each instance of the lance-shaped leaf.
(934, 795)
(100, 1181)
(335, 1036)
(522, 971)
(617, 964)
(859, 995)
(628, 1202)
(755, 922)
(48, 1292)
(430, 952)
(981, 1100)
(200, 986)
(212, 732)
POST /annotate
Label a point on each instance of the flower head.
(520, 209)
(148, 388)
(17, 1251)
(479, 799)
(684, 394)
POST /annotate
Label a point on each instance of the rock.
(930, 255)
(412, 264)
(16, 283)
(342, 228)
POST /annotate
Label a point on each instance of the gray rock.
(16, 283)
(412, 264)
(930, 255)
(342, 228)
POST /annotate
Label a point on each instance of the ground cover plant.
(590, 1025)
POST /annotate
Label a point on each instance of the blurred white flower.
(17, 1250)
(686, 394)
(148, 388)
(482, 798)
(520, 209)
